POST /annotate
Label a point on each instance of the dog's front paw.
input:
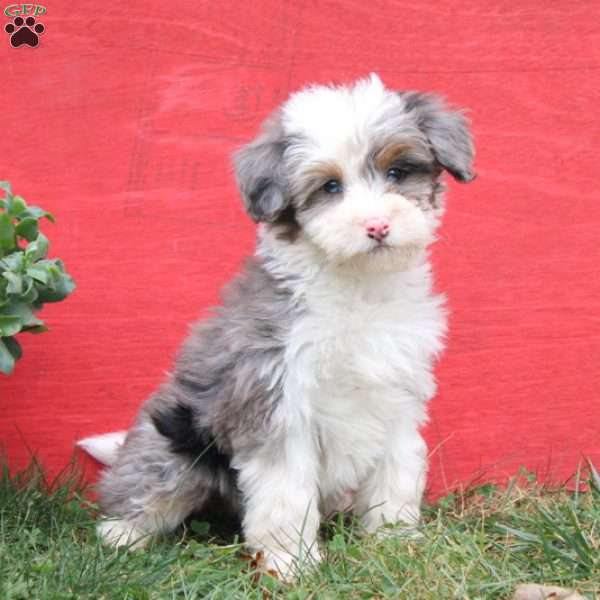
(405, 518)
(119, 532)
(284, 565)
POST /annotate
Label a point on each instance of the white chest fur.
(360, 360)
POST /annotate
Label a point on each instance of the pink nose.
(377, 228)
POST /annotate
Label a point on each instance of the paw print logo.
(24, 32)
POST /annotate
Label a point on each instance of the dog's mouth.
(380, 248)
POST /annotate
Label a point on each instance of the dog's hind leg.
(149, 488)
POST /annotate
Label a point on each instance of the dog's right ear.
(259, 174)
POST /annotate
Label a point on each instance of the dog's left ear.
(259, 174)
(447, 132)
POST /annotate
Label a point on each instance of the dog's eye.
(396, 174)
(333, 186)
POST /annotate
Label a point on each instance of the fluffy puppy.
(306, 391)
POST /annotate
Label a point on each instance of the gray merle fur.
(447, 132)
(214, 402)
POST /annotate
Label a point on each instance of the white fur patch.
(344, 126)
(118, 532)
(103, 448)
(330, 115)
(360, 374)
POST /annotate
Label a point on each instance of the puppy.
(305, 392)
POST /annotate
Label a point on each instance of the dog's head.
(355, 171)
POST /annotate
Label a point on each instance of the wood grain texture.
(122, 122)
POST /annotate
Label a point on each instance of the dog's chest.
(364, 355)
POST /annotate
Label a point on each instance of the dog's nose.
(377, 228)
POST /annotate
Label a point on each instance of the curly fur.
(306, 390)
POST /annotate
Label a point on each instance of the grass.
(476, 544)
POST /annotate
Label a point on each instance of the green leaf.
(9, 325)
(338, 543)
(30, 293)
(22, 310)
(16, 205)
(35, 329)
(37, 213)
(39, 274)
(5, 185)
(38, 248)
(13, 347)
(28, 228)
(200, 527)
(7, 360)
(520, 534)
(7, 234)
(15, 282)
(12, 262)
(63, 286)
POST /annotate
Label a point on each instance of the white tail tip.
(104, 447)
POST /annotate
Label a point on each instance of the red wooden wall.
(122, 122)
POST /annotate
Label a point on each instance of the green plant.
(478, 544)
(27, 278)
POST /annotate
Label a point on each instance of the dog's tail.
(103, 448)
